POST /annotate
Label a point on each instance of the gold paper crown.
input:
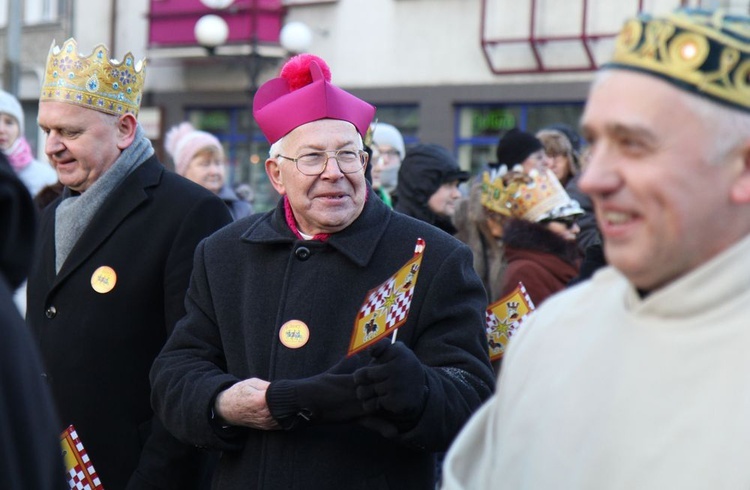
(534, 195)
(93, 81)
(495, 194)
(701, 51)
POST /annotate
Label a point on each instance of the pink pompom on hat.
(183, 142)
(303, 93)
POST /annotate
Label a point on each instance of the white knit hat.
(387, 134)
(10, 105)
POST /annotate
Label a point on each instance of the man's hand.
(244, 404)
(394, 382)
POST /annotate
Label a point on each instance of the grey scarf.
(75, 212)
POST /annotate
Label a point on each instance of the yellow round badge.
(294, 334)
(104, 279)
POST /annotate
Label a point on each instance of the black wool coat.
(98, 347)
(252, 277)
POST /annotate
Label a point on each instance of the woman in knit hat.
(519, 148)
(33, 173)
(199, 156)
(388, 151)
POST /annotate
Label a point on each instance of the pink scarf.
(19, 154)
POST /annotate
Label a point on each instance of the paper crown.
(94, 81)
(302, 94)
(536, 195)
(700, 51)
(495, 194)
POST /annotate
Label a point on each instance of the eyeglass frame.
(363, 157)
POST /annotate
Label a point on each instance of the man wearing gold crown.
(638, 378)
(259, 368)
(112, 267)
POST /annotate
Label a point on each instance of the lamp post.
(212, 31)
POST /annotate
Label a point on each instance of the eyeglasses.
(568, 221)
(315, 162)
(392, 153)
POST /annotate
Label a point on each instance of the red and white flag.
(504, 317)
(386, 307)
(79, 471)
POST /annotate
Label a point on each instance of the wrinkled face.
(663, 209)
(443, 201)
(560, 166)
(207, 169)
(386, 161)
(81, 143)
(9, 130)
(328, 202)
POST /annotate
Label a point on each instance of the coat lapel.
(121, 203)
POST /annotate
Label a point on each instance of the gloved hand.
(394, 384)
(327, 397)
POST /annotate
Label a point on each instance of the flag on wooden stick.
(386, 307)
(504, 317)
(79, 471)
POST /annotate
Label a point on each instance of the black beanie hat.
(515, 146)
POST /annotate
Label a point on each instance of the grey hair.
(729, 127)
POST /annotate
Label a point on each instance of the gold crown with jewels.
(534, 195)
(703, 52)
(94, 81)
(495, 194)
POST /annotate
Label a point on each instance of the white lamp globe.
(296, 37)
(211, 31)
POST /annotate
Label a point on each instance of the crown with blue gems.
(701, 51)
(94, 81)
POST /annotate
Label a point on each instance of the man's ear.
(741, 187)
(126, 126)
(273, 170)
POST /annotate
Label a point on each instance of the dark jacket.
(252, 277)
(425, 168)
(542, 260)
(98, 348)
(237, 207)
(30, 454)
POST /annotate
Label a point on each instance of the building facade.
(452, 72)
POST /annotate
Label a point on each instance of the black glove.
(327, 397)
(394, 384)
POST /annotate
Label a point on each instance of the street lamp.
(212, 31)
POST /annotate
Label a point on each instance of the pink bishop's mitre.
(303, 93)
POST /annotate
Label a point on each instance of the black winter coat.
(98, 348)
(252, 277)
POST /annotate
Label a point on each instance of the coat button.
(302, 253)
(50, 312)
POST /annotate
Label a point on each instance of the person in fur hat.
(540, 237)
(199, 156)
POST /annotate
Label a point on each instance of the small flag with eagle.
(504, 317)
(387, 306)
(79, 471)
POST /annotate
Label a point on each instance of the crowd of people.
(340, 339)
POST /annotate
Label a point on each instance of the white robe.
(604, 390)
